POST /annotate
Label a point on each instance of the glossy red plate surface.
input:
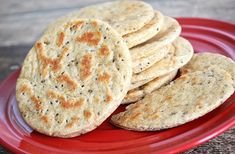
(205, 35)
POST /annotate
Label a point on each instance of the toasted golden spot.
(87, 114)
(104, 77)
(104, 50)
(79, 103)
(55, 63)
(36, 101)
(97, 99)
(86, 66)
(185, 71)
(38, 46)
(24, 88)
(91, 38)
(94, 24)
(65, 78)
(75, 25)
(168, 97)
(73, 121)
(51, 94)
(148, 110)
(134, 116)
(44, 119)
(153, 116)
(78, 24)
(66, 104)
(108, 98)
(60, 39)
(200, 102)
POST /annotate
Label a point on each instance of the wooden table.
(22, 22)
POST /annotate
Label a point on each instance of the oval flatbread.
(73, 78)
(185, 99)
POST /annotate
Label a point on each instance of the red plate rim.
(185, 144)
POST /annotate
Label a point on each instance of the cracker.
(170, 30)
(124, 16)
(146, 32)
(137, 94)
(139, 65)
(182, 53)
(185, 99)
(202, 61)
(73, 78)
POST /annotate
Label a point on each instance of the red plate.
(205, 35)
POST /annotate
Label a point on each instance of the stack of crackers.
(90, 61)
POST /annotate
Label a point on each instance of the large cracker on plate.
(185, 99)
(73, 78)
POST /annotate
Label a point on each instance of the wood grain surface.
(22, 22)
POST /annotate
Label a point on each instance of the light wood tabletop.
(22, 22)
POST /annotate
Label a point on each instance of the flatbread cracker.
(137, 94)
(145, 33)
(185, 99)
(202, 61)
(183, 52)
(139, 65)
(124, 16)
(73, 78)
(170, 30)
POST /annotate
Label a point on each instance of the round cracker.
(124, 16)
(145, 33)
(202, 61)
(182, 53)
(185, 99)
(142, 64)
(138, 93)
(170, 30)
(73, 78)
